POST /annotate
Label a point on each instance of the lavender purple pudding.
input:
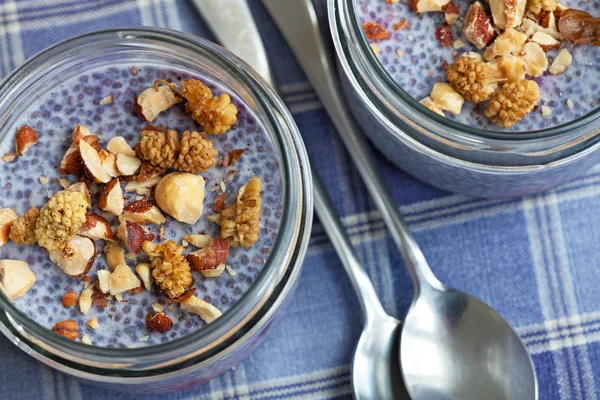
(238, 228)
(418, 42)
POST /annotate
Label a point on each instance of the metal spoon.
(453, 346)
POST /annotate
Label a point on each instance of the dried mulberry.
(240, 222)
(22, 231)
(170, 269)
(158, 147)
(511, 103)
(196, 154)
(60, 219)
(471, 78)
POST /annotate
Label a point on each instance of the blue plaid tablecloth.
(534, 259)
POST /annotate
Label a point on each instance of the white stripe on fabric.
(305, 107)
(14, 33)
(160, 20)
(48, 383)
(173, 19)
(145, 12)
(241, 382)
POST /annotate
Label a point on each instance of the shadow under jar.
(121, 63)
(454, 156)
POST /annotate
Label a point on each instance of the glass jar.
(215, 348)
(444, 153)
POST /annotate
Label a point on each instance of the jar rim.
(345, 12)
(295, 220)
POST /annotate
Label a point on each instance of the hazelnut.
(421, 6)
(85, 299)
(214, 272)
(152, 102)
(16, 278)
(133, 235)
(375, 31)
(77, 258)
(427, 102)
(136, 185)
(205, 310)
(444, 35)
(9, 157)
(79, 133)
(115, 255)
(123, 279)
(93, 323)
(478, 27)
(109, 163)
(529, 27)
(111, 197)
(96, 227)
(26, 137)
(445, 97)
(451, 12)
(198, 240)
(181, 194)
(231, 158)
(69, 299)
(534, 57)
(508, 67)
(66, 329)
(507, 13)
(128, 165)
(7, 217)
(510, 41)
(117, 145)
(561, 62)
(158, 322)
(545, 41)
(143, 270)
(93, 163)
(142, 211)
(104, 280)
(210, 257)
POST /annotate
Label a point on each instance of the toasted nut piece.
(93, 323)
(545, 41)
(508, 67)
(26, 137)
(158, 322)
(133, 235)
(111, 197)
(128, 165)
(427, 102)
(200, 241)
(181, 194)
(149, 171)
(115, 255)
(104, 280)
(96, 227)
(375, 31)
(507, 13)
(77, 257)
(136, 185)
(91, 160)
(421, 6)
(445, 97)
(534, 57)
(117, 145)
(142, 211)
(72, 163)
(451, 12)
(109, 163)
(85, 299)
(444, 35)
(510, 41)
(152, 102)
(143, 270)
(209, 257)
(205, 310)
(561, 62)
(7, 217)
(81, 187)
(9, 157)
(549, 21)
(80, 132)
(214, 272)
(67, 329)
(16, 278)
(231, 157)
(376, 49)
(123, 279)
(70, 299)
(529, 27)
(477, 26)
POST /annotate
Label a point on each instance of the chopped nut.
(375, 31)
(136, 290)
(231, 158)
(136, 185)
(510, 41)
(404, 24)
(77, 257)
(43, 180)
(444, 35)
(72, 163)
(512, 102)
(123, 279)
(96, 227)
(149, 171)
(118, 145)
(109, 163)
(534, 57)
(546, 111)
(399, 52)
(115, 255)
(451, 12)
(65, 183)
(530, 27)
(561, 62)
(128, 165)
(507, 13)
(80, 187)
(579, 27)
(210, 257)
(536, 6)
(7, 217)
(26, 137)
(157, 307)
(16, 278)
(478, 28)
(133, 235)
(200, 241)
(159, 148)
(66, 329)
(70, 299)
(427, 102)
(240, 221)
(153, 101)
(205, 310)
(86, 340)
(111, 197)
(196, 153)
(170, 269)
(106, 100)
(85, 299)
(545, 41)
(60, 219)
(9, 157)
(471, 78)
(421, 6)
(104, 280)
(93, 323)
(230, 270)
(220, 203)
(214, 272)
(570, 103)
(144, 338)
(159, 322)
(93, 163)
(80, 132)
(446, 98)
(143, 270)
(458, 44)
(549, 21)
(142, 211)
(181, 194)
(508, 67)
(216, 218)
(22, 230)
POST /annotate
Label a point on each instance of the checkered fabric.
(533, 259)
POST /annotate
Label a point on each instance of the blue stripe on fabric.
(101, 4)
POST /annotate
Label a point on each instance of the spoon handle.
(298, 23)
(363, 286)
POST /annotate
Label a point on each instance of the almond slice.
(205, 310)
(118, 145)
(128, 165)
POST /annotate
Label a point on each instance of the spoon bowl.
(454, 346)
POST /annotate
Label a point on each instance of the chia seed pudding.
(416, 60)
(79, 100)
